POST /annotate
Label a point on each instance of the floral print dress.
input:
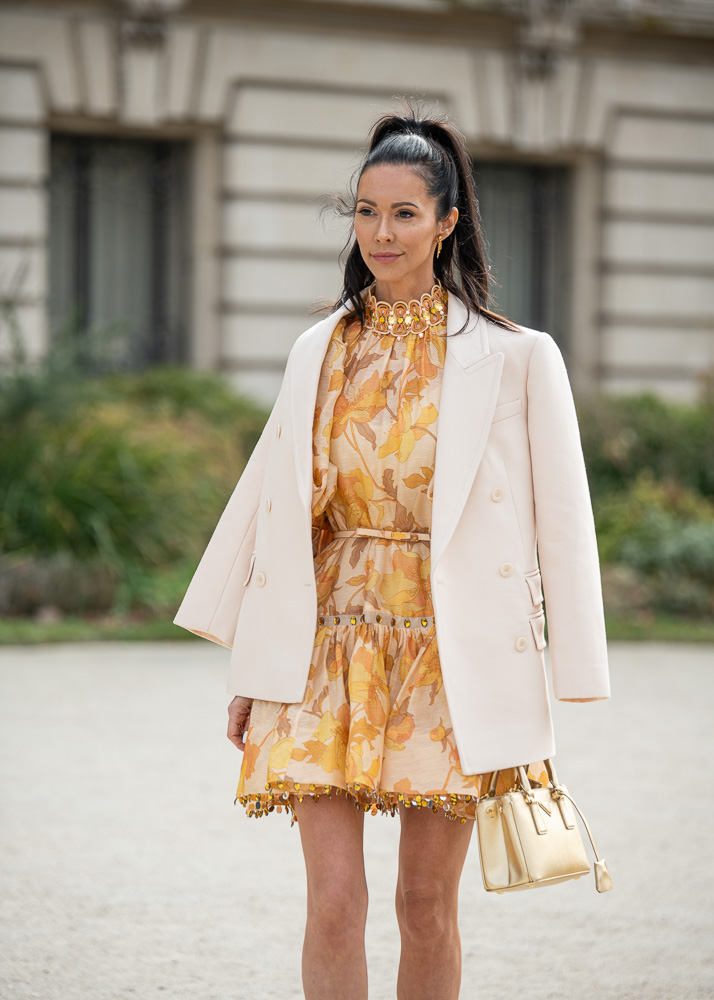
(374, 724)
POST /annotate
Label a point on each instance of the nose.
(384, 233)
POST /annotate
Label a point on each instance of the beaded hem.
(279, 796)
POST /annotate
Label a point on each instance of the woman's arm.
(212, 602)
(565, 531)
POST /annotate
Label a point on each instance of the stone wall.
(276, 113)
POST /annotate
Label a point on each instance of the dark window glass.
(524, 216)
(118, 246)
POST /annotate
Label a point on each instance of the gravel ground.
(128, 873)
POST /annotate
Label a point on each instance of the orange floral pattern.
(374, 724)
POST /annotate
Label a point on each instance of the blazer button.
(521, 643)
(506, 569)
(260, 579)
(497, 494)
(268, 504)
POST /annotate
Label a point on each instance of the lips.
(385, 258)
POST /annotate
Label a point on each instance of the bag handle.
(522, 775)
(603, 881)
(540, 826)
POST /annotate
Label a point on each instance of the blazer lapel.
(304, 379)
(471, 380)
(470, 384)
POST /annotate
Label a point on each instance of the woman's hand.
(238, 720)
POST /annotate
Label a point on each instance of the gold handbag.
(528, 837)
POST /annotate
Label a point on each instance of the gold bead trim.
(415, 316)
(372, 617)
(279, 795)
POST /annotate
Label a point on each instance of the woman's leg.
(432, 851)
(334, 966)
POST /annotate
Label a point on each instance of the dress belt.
(411, 536)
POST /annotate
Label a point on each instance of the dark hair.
(435, 149)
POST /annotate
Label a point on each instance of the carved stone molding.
(145, 22)
(142, 38)
(147, 32)
(549, 29)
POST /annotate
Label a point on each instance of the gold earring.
(438, 248)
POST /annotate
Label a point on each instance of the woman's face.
(397, 229)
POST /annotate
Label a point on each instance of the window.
(524, 215)
(118, 245)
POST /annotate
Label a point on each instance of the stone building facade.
(162, 164)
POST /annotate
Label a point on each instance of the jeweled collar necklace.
(415, 316)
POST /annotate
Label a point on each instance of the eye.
(364, 211)
(405, 214)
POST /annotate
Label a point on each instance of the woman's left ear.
(449, 223)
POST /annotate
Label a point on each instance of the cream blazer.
(512, 521)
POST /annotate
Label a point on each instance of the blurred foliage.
(139, 625)
(71, 628)
(650, 468)
(636, 525)
(61, 580)
(623, 436)
(128, 471)
(660, 537)
(112, 482)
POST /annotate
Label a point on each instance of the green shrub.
(113, 481)
(175, 392)
(63, 581)
(624, 436)
(154, 591)
(128, 470)
(664, 544)
(626, 519)
(679, 595)
(664, 534)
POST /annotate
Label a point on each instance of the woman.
(375, 571)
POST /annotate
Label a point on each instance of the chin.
(389, 272)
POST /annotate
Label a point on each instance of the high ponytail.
(436, 151)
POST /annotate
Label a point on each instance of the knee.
(338, 909)
(426, 913)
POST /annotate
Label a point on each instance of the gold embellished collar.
(415, 316)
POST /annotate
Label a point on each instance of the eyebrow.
(396, 204)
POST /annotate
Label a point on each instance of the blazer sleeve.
(565, 530)
(212, 602)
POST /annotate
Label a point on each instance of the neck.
(405, 290)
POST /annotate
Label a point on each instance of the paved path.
(128, 874)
